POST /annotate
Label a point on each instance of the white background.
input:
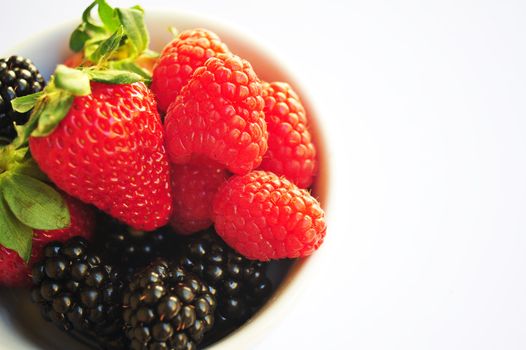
(423, 104)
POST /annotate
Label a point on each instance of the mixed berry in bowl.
(148, 197)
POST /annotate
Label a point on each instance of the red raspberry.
(263, 217)
(219, 114)
(291, 152)
(16, 273)
(194, 186)
(178, 61)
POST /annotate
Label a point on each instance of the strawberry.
(179, 58)
(95, 130)
(109, 151)
(16, 273)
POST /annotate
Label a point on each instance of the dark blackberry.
(18, 77)
(128, 250)
(167, 308)
(79, 294)
(241, 286)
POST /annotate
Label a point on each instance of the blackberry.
(128, 250)
(18, 77)
(167, 308)
(78, 293)
(240, 285)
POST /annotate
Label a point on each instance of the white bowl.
(20, 324)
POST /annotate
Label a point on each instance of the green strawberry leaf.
(26, 103)
(131, 67)
(113, 76)
(133, 21)
(14, 235)
(72, 80)
(35, 203)
(107, 47)
(92, 26)
(150, 54)
(23, 163)
(174, 31)
(78, 38)
(108, 16)
(88, 29)
(54, 108)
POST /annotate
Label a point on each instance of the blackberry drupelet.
(79, 293)
(167, 308)
(240, 285)
(18, 77)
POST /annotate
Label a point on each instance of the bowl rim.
(298, 276)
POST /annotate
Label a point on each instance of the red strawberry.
(291, 152)
(16, 273)
(109, 151)
(263, 217)
(219, 114)
(194, 186)
(188, 51)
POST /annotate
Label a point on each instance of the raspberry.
(178, 61)
(219, 114)
(263, 217)
(291, 152)
(194, 186)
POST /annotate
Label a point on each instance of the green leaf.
(55, 107)
(26, 165)
(174, 31)
(35, 203)
(26, 103)
(131, 67)
(24, 131)
(107, 47)
(113, 76)
(78, 38)
(133, 21)
(72, 80)
(150, 54)
(108, 15)
(91, 46)
(91, 25)
(14, 235)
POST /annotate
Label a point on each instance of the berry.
(167, 308)
(240, 285)
(78, 292)
(74, 60)
(18, 77)
(194, 186)
(109, 151)
(188, 51)
(263, 216)
(291, 152)
(219, 114)
(16, 273)
(128, 250)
